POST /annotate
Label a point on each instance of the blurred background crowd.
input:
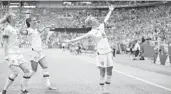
(130, 21)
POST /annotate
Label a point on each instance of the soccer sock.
(108, 82)
(10, 80)
(25, 82)
(46, 76)
(101, 83)
(101, 86)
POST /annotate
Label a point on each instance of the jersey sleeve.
(6, 33)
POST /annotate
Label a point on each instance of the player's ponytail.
(28, 20)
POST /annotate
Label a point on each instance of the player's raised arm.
(5, 34)
(42, 30)
(109, 13)
(3, 20)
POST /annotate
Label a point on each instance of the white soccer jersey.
(63, 44)
(13, 41)
(137, 47)
(35, 39)
(101, 41)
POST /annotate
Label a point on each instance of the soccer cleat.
(3, 92)
(24, 92)
(51, 88)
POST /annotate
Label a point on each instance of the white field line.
(142, 80)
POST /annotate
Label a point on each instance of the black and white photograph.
(85, 47)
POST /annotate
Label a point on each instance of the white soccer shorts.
(16, 59)
(37, 55)
(105, 60)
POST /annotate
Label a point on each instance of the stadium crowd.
(125, 26)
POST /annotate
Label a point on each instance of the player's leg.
(100, 62)
(63, 48)
(11, 78)
(109, 72)
(102, 78)
(108, 78)
(136, 54)
(34, 62)
(27, 74)
(26, 77)
(34, 66)
(43, 63)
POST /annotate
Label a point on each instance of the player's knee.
(26, 71)
(14, 73)
(34, 70)
(31, 73)
(27, 76)
(13, 76)
(109, 71)
(45, 67)
(34, 65)
(102, 73)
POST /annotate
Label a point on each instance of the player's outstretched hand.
(111, 7)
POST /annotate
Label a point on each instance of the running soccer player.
(13, 54)
(38, 56)
(104, 59)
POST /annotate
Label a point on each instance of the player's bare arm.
(78, 38)
(111, 8)
(5, 42)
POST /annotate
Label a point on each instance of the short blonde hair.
(90, 19)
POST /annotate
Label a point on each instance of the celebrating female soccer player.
(104, 52)
(13, 54)
(36, 45)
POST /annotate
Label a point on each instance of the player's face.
(95, 23)
(12, 19)
(91, 22)
(34, 22)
